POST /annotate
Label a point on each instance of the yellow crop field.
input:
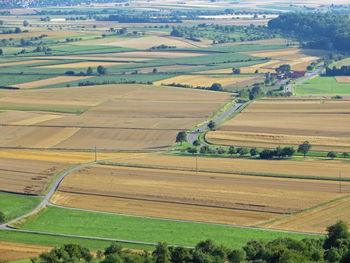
(312, 167)
(46, 82)
(316, 220)
(37, 119)
(70, 157)
(201, 80)
(209, 197)
(117, 117)
(343, 79)
(10, 251)
(84, 64)
(273, 123)
(299, 59)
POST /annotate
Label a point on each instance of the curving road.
(308, 76)
(192, 136)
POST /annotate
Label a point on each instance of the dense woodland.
(334, 248)
(316, 29)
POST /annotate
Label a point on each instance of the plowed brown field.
(222, 198)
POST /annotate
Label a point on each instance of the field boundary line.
(160, 167)
(303, 211)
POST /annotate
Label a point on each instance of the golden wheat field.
(11, 251)
(316, 220)
(343, 79)
(210, 197)
(297, 58)
(46, 82)
(117, 117)
(202, 80)
(310, 167)
(271, 123)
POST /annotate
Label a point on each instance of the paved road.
(192, 136)
(46, 200)
(308, 76)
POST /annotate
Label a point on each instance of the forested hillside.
(318, 30)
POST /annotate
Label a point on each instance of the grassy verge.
(74, 222)
(49, 240)
(290, 176)
(15, 205)
(76, 111)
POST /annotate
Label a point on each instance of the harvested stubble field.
(316, 220)
(204, 81)
(208, 197)
(37, 167)
(151, 41)
(343, 79)
(297, 58)
(118, 117)
(29, 177)
(11, 251)
(46, 82)
(262, 68)
(272, 123)
(85, 64)
(310, 167)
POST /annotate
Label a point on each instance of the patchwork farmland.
(101, 104)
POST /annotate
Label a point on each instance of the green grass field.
(15, 205)
(76, 111)
(54, 241)
(322, 86)
(68, 221)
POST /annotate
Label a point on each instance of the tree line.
(334, 248)
(319, 30)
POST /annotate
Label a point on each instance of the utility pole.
(95, 154)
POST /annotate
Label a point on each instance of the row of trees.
(334, 248)
(334, 71)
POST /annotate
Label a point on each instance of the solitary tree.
(25, 23)
(89, 71)
(285, 68)
(101, 70)
(211, 125)
(345, 154)
(196, 143)
(331, 154)
(181, 137)
(336, 232)
(216, 86)
(155, 70)
(304, 148)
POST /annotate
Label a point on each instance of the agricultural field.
(207, 197)
(297, 58)
(39, 167)
(46, 82)
(15, 205)
(273, 123)
(11, 251)
(315, 220)
(310, 168)
(207, 80)
(114, 117)
(324, 86)
(60, 220)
